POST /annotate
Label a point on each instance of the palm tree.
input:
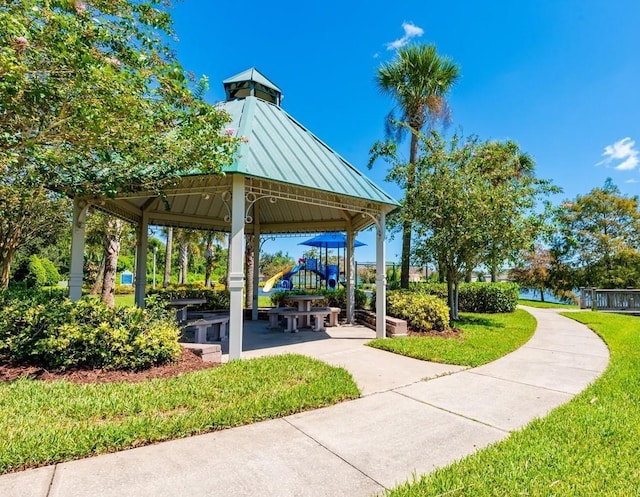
(167, 261)
(418, 80)
(211, 240)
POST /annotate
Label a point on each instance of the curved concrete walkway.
(402, 425)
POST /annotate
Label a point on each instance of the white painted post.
(236, 269)
(76, 271)
(350, 270)
(381, 279)
(142, 245)
(256, 259)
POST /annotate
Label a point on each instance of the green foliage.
(53, 276)
(422, 312)
(484, 338)
(332, 298)
(59, 334)
(597, 240)
(36, 273)
(477, 296)
(216, 299)
(46, 422)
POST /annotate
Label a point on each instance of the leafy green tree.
(534, 271)
(92, 102)
(598, 238)
(462, 199)
(418, 80)
(272, 264)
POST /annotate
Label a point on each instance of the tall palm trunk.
(250, 252)
(167, 258)
(95, 289)
(405, 262)
(112, 241)
(209, 253)
(183, 262)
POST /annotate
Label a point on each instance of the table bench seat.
(202, 325)
(319, 313)
(275, 314)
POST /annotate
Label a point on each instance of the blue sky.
(560, 77)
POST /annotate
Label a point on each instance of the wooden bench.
(318, 313)
(202, 325)
(275, 314)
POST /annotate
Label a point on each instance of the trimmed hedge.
(36, 273)
(332, 298)
(478, 296)
(216, 299)
(422, 312)
(60, 334)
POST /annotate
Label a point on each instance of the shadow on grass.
(479, 320)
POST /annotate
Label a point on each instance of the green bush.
(216, 299)
(332, 298)
(422, 312)
(477, 297)
(36, 273)
(53, 275)
(60, 334)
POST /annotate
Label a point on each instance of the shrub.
(477, 297)
(421, 311)
(60, 334)
(36, 273)
(53, 275)
(216, 299)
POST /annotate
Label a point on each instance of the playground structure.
(328, 273)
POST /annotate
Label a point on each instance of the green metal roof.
(251, 75)
(279, 148)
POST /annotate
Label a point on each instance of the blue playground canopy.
(330, 240)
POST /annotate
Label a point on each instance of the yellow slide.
(268, 285)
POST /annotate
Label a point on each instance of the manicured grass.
(48, 422)
(589, 446)
(485, 338)
(127, 300)
(546, 305)
(264, 301)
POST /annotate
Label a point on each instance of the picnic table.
(181, 307)
(304, 305)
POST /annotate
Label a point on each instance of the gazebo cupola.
(251, 83)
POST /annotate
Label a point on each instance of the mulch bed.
(187, 362)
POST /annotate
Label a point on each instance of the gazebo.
(284, 180)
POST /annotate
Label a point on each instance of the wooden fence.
(617, 300)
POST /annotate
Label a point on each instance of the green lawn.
(127, 300)
(589, 446)
(485, 338)
(48, 422)
(546, 305)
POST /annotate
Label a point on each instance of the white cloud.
(410, 31)
(621, 155)
(631, 181)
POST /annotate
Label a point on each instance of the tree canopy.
(92, 102)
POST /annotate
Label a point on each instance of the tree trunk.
(494, 274)
(95, 289)
(209, 264)
(111, 251)
(468, 277)
(167, 258)
(542, 295)
(5, 264)
(451, 298)
(405, 262)
(249, 262)
(183, 263)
